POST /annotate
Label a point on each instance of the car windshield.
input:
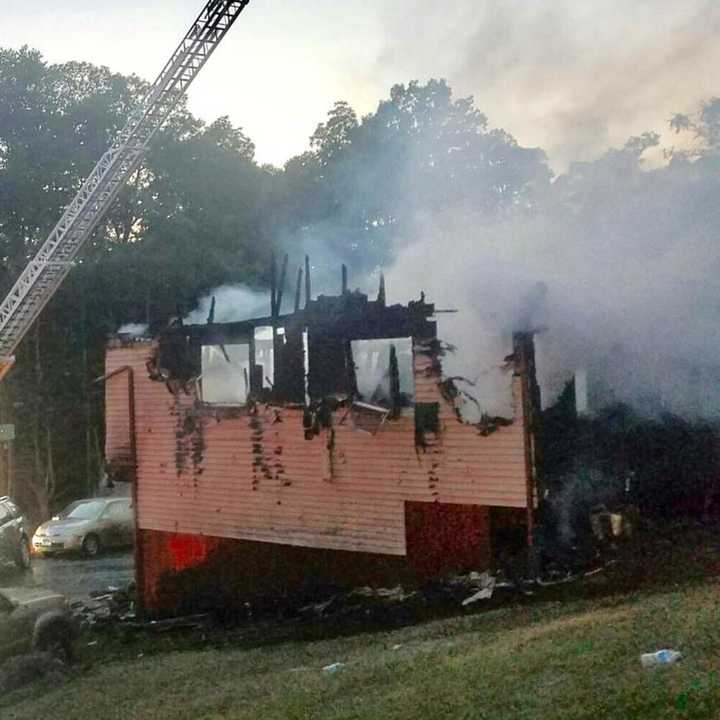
(82, 510)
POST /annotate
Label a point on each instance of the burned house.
(322, 446)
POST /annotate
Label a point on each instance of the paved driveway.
(73, 576)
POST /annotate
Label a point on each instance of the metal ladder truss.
(45, 272)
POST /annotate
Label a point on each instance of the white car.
(87, 526)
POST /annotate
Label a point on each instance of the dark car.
(35, 619)
(14, 539)
(87, 526)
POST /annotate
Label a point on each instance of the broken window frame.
(342, 319)
(226, 350)
(327, 365)
(399, 395)
(276, 336)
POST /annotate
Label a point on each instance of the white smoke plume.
(554, 74)
(135, 330)
(232, 303)
(627, 262)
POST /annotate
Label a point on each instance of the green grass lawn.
(569, 655)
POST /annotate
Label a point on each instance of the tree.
(703, 126)
(189, 219)
(367, 185)
(333, 136)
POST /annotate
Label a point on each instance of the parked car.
(35, 619)
(88, 526)
(14, 540)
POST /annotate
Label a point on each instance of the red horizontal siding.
(190, 573)
(118, 443)
(256, 477)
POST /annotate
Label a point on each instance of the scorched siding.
(118, 408)
(256, 477)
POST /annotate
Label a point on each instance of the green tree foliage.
(365, 185)
(190, 219)
(704, 127)
(200, 224)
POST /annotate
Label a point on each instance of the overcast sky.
(572, 76)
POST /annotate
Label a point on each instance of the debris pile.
(485, 584)
(397, 604)
(105, 607)
(345, 608)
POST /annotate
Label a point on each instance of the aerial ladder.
(43, 275)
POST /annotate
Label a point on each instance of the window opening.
(265, 353)
(327, 365)
(225, 374)
(384, 371)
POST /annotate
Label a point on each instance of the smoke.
(572, 77)
(617, 267)
(232, 303)
(135, 330)
(575, 496)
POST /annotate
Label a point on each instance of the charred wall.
(667, 466)
(187, 573)
(273, 486)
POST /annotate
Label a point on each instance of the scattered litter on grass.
(486, 584)
(184, 622)
(559, 579)
(661, 657)
(317, 608)
(483, 594)
(334, 668)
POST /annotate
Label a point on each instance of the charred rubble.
(667, 465)
(614, 471)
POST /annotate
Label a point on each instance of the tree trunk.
(42, 484)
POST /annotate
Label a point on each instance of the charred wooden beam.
(298, 288)
(394, 381)
(281, 286)
(308, 293)
(524, 359)
(273, 285)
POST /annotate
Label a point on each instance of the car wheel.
(91, 545)
(54, 635)
(23, 557)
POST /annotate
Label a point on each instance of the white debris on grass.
(486, 583)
